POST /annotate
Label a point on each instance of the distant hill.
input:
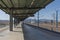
(41, 20)
(4, 22)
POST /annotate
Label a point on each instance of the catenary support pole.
(57, 20)
(38, 18)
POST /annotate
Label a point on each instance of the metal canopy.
(23, 8)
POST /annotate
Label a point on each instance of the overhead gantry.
(21, 9)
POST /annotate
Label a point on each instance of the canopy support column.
(15, 22)
(11, 21)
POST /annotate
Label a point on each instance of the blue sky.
(46, 13)
(50, 10)
(3, 15)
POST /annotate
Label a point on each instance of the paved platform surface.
(31, 33)
(17, 34)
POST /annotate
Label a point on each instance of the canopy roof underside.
(23, 8)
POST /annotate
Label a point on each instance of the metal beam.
(19, 3)
(23, 14)
(4, 3)
(22, 8)
(20, 18)
(1, 5)
(12, 3)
